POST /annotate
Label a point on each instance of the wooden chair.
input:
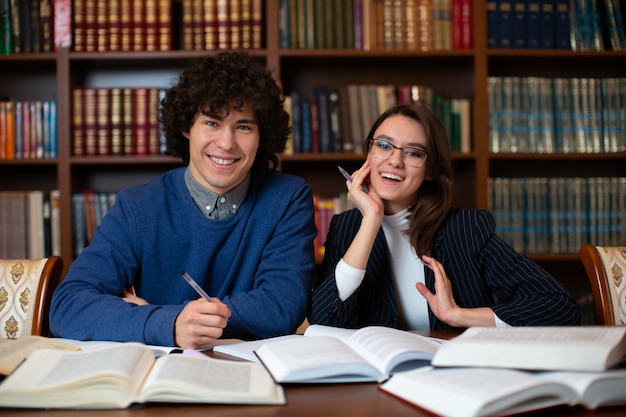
(605, 268)
(26, 287)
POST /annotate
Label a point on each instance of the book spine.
(246, 24)
(154, 142)
(506, 23)
(126, 25)
(102, 30)
(562, 24)
(91, 34)
(140, 120)
(519, 24)
(138, 22)
(46, 26)
(547, 24)
(151, 26)
(116, 121)
(223, 23)
(103, 120)
(164, 25)
(128, 134)
(89, 111)
(197, 25)
(35, 26)
(493, 27)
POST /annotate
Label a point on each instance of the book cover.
(5, 27)
(89, 118)
(35, 26)
(506, 23)
(46, 26)
(493, 26)
(520, 23)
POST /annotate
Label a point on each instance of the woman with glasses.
(405, 258)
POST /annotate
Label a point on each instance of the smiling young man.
(404, 257)
(240, 228)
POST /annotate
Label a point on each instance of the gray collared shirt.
(213, 205)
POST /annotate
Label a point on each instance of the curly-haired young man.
(240, 228)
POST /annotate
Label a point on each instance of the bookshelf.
(459, 73)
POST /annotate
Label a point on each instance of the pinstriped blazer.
(483, 269)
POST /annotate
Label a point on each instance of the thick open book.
(582, 348)
(128, 373)
(329, 354)
(14, 352)
(481, 392)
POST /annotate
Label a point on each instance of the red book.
(78, 122)
(315, 126)
(223, 22)
(138, 24)
(210, 24)
(3, 130)
(76, 18)
(114, 26)
(91, 32)
(103, 121)
(89, 114)
(467, 41)
(151, 25)
(154, 145)
(164, 25)
(26, 131)
(140, 120)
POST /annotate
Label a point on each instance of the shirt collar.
(216, 206)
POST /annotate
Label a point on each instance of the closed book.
(78, 122)
(246, 24)
(533, 28)
(151, 25)
(154, 145)
(210, 24)
(334, 116)
(234, 24)
(321, 97)
(562, 24)
(35, 26)
(128, 117)
(103, 12)
(116, 112)
(62, 23)
(505, 17)
(138, 22)
(103, 121)
(114, 26)
(140, 120)
(164, 25)
(197, 24)
(223, 23)
(126, 25)
(493, 27)
(91, 34)
(519, 23)
(5, 27)
(46, 26)
(305, 114)
(296, 121)
(257, 24)
(89, 112)
(547, 24)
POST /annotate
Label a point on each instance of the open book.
(582, 348)
(14, 352)
(482, 392)
(329, 354)
(120, 375)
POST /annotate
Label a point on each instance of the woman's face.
(394, 181)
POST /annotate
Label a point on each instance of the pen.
(195, 286)
(348, 177)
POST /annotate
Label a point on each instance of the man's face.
(222, 148)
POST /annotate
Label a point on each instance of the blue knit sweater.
(260, 262)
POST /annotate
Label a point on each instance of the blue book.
(493, 26)
(306, 126)
(284, 24)
(296, 122)
(52, 121)
(323, 108)
(533, 28)
(547, 24)
(562, 24)
(505, 12)
(519, 23)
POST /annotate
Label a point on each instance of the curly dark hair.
(217, 84)
(435, 194)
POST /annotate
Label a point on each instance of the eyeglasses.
(411, 156)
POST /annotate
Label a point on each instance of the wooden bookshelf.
(456, 73)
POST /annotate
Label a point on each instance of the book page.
(595, 389)
(193, 379)
(115, 374)
(572, 348)
(13, 352)
(468, 392)
(315, 359)
(386, 348)
(245, 350)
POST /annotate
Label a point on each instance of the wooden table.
(328, 400)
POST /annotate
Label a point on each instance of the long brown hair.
(434, 197)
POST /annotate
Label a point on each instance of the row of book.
(28, 129)
(89, 208)
(412, 25)
(557, 115)
(559, 215)
(579, 25)
(116, 121)
(29, 224)
(26, 26)
(338, 119)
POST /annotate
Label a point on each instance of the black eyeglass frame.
(373, 140)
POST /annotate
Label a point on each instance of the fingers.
(201, 323)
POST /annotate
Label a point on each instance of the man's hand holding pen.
(201, 323)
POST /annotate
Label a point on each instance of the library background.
(532, 93)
